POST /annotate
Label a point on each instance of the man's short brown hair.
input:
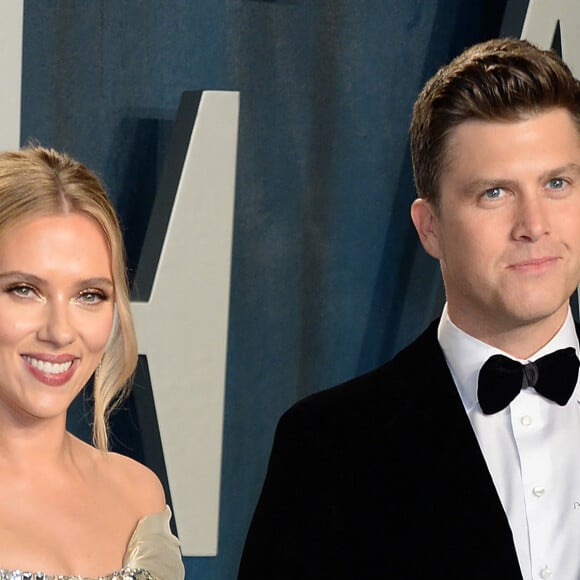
(498, 80)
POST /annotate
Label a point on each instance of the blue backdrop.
(328, 279)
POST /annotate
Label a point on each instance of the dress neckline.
(126, 573)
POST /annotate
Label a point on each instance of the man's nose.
(531, 220)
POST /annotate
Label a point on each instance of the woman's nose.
(56, 328)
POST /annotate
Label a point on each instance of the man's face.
(507, 231)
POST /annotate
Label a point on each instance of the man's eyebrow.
(477, 185)
(480, 185)
(557, 171)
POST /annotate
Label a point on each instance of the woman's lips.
(52, 370)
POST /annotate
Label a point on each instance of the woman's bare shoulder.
(138, 482)
(126, 479)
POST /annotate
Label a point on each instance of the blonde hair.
(36, 181)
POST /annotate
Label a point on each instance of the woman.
(68, 509)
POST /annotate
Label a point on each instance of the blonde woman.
(68, 509)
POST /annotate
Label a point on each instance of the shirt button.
(545, 573)
(539, 491)
(526, 420)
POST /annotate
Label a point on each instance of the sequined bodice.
(124, 574)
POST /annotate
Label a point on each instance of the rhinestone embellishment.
(124, 574)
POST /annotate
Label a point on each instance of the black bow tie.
(500, 380)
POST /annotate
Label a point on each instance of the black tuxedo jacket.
(381, 477)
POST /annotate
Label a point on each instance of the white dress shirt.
(532, 450)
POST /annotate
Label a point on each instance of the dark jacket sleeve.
(278, 544)
(318, 504)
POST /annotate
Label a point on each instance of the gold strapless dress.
(152, 554)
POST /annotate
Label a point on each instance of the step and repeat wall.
(257, 153)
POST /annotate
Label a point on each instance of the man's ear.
(426, 223)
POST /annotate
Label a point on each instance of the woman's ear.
(426, 223)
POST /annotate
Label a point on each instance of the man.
(405, 472)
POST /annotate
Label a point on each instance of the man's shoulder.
(385, 389)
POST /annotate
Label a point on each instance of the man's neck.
(519, 341)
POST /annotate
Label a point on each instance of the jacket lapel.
(460, 487)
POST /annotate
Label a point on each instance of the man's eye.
(494, 192)
(556, 183)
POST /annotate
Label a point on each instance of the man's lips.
(534, 264)
(50, 369)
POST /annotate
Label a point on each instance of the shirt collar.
(465, 354)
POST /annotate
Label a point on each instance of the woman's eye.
(22, 291)
(91, 297)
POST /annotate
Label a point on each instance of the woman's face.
(56, 313)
